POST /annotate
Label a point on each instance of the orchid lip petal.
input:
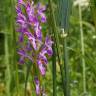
(43, 59)
(49, 51)
(32, 39)
(42, 69)
(37, 86)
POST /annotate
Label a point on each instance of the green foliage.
(65, 70)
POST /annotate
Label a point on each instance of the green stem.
(27, 75)
(8, 66)
(66, 69)
(56, 37)
(65, 14)
(82, 50)
(54, 71)
(14, 43)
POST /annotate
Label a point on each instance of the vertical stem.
(56, 38)
(66, 69)
(67, 92)
(65, 14)
(82, 50)
(7, 77)
(54, 70)
(27, 75)
(14, 43)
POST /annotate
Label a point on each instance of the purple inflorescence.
(30, 18)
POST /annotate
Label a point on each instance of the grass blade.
(7, 66)
(27, 75)
(15, 65)
(55, 37)
(54, 71)
(65, 14)
(82, 50)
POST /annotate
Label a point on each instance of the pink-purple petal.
(37, 86)
(42, 69)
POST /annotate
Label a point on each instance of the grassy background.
(72, 69)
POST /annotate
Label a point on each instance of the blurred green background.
(81, 47)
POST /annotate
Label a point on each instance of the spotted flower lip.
(49, 51)
(41, 67)
(37, 29)
(32, 39)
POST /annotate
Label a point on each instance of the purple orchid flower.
(33, 46)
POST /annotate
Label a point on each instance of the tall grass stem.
(82, 50)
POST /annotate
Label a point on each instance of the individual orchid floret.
(41, 10)
(21, 2)
(37, 86)
(37, 29)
